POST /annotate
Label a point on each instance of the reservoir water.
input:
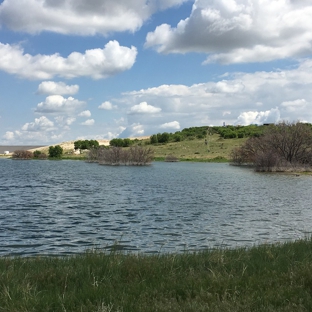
(65, 207)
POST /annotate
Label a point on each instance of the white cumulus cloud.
(255, 117)
(136, 129)
(95, 63)
(171, 125)
(89, 122)
(64, 122)
(56, 88)
(240, 98)
(58, 104)
(239, 31)
(107, 106)
(85, 113)
(40, 124)
(144, 108)
(8, 136)
(80, 17)
(293, 106)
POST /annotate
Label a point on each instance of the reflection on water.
(63, 207)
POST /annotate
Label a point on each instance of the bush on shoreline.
(282, 147)
(55, 152)
(134, 156)
(21, 154)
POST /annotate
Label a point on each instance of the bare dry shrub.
(43, 156)
(282, 147)
(171, 158)
(20, 154)
(134, 156)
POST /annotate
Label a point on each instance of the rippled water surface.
(63, 207)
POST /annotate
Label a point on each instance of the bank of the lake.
(264, 278)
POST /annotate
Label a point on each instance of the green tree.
(177, 137)
(77, 144)
(127, 142)
(86, 144)
(163, 137)
(153, 139)
(93, 144)
(55, 151)
(116, 142)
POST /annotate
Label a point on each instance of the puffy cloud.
(85, 113)
(136, 129)
(41, 131)
(8, 136)
(293, 106)
(65, 122)
(171, 125)
(80, 17)
(107, 106)
(164, 90)
(144, 108)
(89, 122)
(58, 104)
(254, 117)
(133, 130)
(239, 31)
(56, 88)
(40, 124)
(95, 63)
(259, 97)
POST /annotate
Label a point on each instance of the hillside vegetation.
(195, 143)
(202, 143)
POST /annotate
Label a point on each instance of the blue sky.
(101, 69)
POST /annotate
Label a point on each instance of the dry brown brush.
(20, 154)
(283, 147)
(134, 156)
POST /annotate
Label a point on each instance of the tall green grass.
(264, 278)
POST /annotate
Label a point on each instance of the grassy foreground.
(264, 278)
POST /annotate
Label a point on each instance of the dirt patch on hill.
(69, 145)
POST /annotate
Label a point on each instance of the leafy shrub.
(163, 137)
(120, 142)
(154, 139)
(86, 144)
(177, 138)
(39, 155)
(55, 151)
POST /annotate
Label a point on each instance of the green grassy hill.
(196, 149)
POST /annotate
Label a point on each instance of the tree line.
(226, 132)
